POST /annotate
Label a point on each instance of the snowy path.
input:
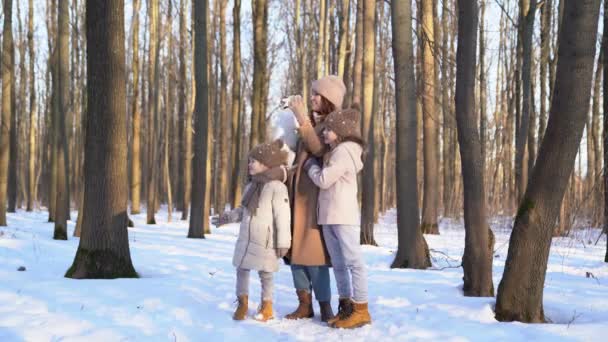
(186, 291)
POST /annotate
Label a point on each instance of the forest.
(126, 129)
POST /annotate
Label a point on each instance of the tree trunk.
(135, 190)
(593, 146)
(103, 251)
(545, 27)
(7, 110)
(225, 120)
(605, 128)
(483, 89)
(430, 201)
(185, 122)
(369, 45)
(61, 202)
(479, 240)
(528, 9)
(260, 38)
(344, 33)
(358, 67)
(321, 40)
(235, 186)
(412, 251)
(520, 291)
(153, 87)
(31, 173)
(199, 214)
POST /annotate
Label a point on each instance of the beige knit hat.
(332, 88)
(270, 154)
(346, 123)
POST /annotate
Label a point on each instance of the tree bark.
(520, 291)
(368, 195)
(61, 202)
(260, 38)
(103, 251)
(545, 39)
(479, 240)
(527, 21)
(153, 87)
(185, 124)
(135, 190)
(199, 214)
(358, 67)
(31, 173)
(605, 128)
(430, 201)
(235, 186)
(321, 40)
(412, 251)
(221, 198)
(344, 33)
(7, 106)
(483, 90)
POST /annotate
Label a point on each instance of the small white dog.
(283, 125)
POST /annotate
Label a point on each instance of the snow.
(186, 290)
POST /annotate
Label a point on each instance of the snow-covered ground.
(186, 290)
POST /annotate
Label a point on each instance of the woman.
(308, 255)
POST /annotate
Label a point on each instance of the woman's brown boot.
(241, 311)
(304, 309)
(326, 312)
(345, 308)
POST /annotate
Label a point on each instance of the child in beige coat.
(339, 214)
(265, 234)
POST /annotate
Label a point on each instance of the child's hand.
(281, 252)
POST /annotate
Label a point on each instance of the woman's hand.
(298, 107)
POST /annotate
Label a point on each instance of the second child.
(338, 213)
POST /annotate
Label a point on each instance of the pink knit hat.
(332, 88)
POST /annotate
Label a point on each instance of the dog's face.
(283, 125)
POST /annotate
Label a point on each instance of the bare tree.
(479, 241)
(103, 251)
(520, 291)
(7, 105)
(31, 174)
(136, 112)
(605, 131)
(430, 200)
(527, 10)
(153, 99)
(369, 50)
(199, 213)
(186, 113)
(344, 33)
(358, 63)
(260, 43)
(221, 197)
(236, 133)
(412, 251)
(62, 201)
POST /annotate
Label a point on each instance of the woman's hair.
(326, 108)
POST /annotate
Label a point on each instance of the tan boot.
(345, 309)
(241, 311)
(358, 318)
(264, 311)
(304, 309)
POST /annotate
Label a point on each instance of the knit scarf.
(251, 197)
